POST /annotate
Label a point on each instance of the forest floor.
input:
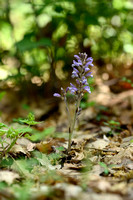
(99, 165)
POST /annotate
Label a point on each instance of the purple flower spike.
(87, 88)
(56, 95)
(81, 66)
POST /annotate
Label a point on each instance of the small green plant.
(127, 80)
(114, 125)
(55, 157)
(106, 167)
(9, 135)
(29, 121)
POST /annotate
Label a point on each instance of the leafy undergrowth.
(99, 165)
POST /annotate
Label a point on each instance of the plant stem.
(71, 129)
(70, 125)
(11, 145)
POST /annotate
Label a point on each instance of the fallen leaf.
(44, 161)
(120, 188)
(8, 176)
(122, 157)
(98, 144)
(71, 191)
(18, 148)
(95, 196)
(47, 146)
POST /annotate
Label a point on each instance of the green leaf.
(2, 125)
(112, 122)
(2, 94)
(28, 44)
(102, 164)
(60, 148)
(31, 116)
(37, 135)
(2, 132)
(24, 130)
(12, 133)
(30, 120)
(44, 161)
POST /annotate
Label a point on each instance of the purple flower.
(76, 63)
(87, 88)
(74, 74)
(88, 63)
(72, 89)
(77, 81)
(74, 69)
(56, 95)
(84, 81)
(87, 69)
(73, 86)
(89, 59)
(89, 74)
(76, 56)
(81, 72)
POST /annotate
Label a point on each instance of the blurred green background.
(38, 39)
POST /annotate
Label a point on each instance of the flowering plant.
(81, 73)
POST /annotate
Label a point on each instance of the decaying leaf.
(47, 146)
(95, 196)
(18, 148)
(8, 176)
(122, 157)
(98, 144)
(71, 191)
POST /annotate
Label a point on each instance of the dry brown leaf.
(73, 166)
(31, 146)
(101, 185)
(23, 145)
(119, 98)
(78, 157)
(27, 144)
(8, 176)
(18, 148)
(130, 165)
(47, 146)
(71, 191)
(122, 157)
(120, 188)
(95, 196)
(98, 144)
(96, 171)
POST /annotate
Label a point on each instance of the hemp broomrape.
(81, 72)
